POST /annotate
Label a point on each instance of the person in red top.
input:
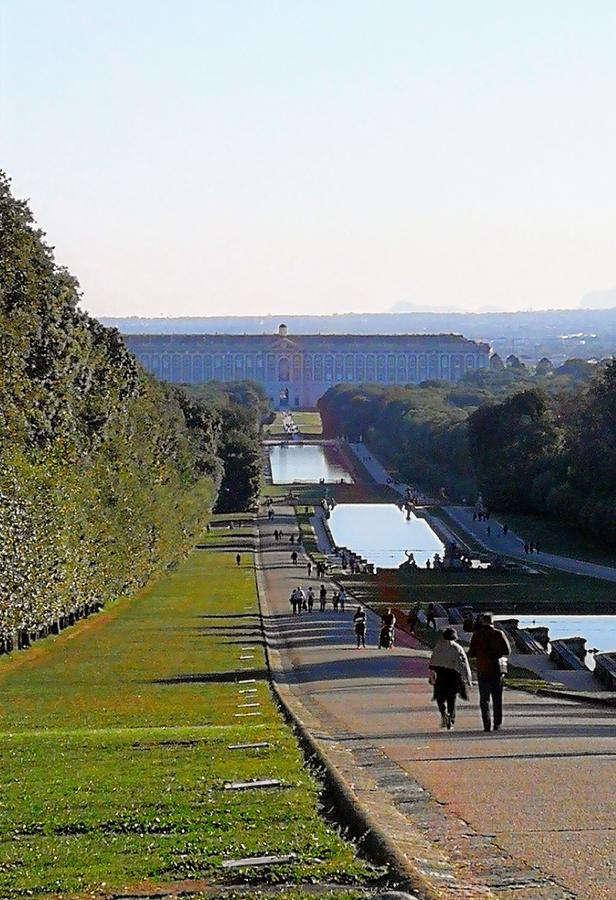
(490, 648)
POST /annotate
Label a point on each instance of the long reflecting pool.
(381, 533)
(599, 631)
(307, 464)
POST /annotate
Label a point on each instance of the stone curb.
(609, 702)
(361, 822)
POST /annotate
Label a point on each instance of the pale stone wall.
(307, 365)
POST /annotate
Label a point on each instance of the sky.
(199, 157)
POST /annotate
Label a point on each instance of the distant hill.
(559, 334)
(599, 300)
(473, 325)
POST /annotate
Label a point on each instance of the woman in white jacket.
(450, 674)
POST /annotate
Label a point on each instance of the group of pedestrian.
(301, 601)
(531, 547)
(450, 672)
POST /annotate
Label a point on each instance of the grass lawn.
(557, 537)
(510, 593)
(308, 422)
(114, 749)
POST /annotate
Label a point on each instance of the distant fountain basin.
(307, 464)
(599, 631)
(381, 533)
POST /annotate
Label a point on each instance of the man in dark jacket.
(489, 646)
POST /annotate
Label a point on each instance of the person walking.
(309, 568)
(388, 625)
(431, 616)
(335, 600)
(293, 601)
(451, 675)
(303, 605)
(310, 599)
(342, 596)
(490, 648)
(359, 623)
(322, 598)
(294, 558)
(238, 559)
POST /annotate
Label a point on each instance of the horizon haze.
(272, 158)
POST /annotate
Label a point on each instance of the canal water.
(381, 533)
(307, 464)
(599, 631)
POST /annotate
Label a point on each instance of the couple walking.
(450, 673)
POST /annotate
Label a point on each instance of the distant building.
(496, 363)
(296, 371)
(544, 366)
(513, 362)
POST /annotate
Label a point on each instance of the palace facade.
(296, 370)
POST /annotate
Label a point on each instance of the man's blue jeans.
(491, 689)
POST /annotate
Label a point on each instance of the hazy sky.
(197, 157)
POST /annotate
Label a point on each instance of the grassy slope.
(114, 751)
(556, 592)
(309, 423)
(557, 537)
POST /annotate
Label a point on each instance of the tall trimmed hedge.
(105, 473)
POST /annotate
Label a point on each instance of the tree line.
(543, 443)
(105, 473)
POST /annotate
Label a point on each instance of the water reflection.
(381, 533)
(599, 631)
(307, 464)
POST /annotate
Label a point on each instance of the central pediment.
(283, 344)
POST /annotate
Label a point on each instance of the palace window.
(349, 369)
(283, 369)
(297, 367)
(318, 367)
(380, 368)
(401, 377)
(360, 367)
(228, 367)
(207, 367)
(329, 368)
(391, 368)
(433, 366)
(308, 367)
(271, 367)
(370, 368)
(198, 368)
(339, 367)
(423, 367)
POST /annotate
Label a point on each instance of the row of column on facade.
(301, 368)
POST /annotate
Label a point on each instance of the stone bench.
(605, 669)
(564, 657)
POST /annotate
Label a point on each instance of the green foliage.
(114, 751)
(105, 473)
(418, 430)
(543, 443)
(513, 445)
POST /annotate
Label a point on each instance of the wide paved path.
(511, 545)
(530, 811)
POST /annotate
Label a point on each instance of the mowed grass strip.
(114, 750)
(309, 423)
